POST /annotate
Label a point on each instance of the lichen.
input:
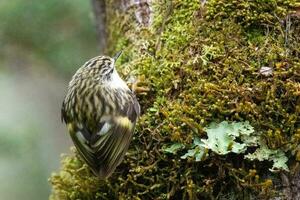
(222, 137)
(202, 64)
(277, 156)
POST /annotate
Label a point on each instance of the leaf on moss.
(173, 148)
(263, 153)
(221, 137)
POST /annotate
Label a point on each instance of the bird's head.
(102, 66)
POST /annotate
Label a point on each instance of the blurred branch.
(99, 9)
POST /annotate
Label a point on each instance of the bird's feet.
(138, 85)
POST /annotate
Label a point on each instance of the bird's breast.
(116, 81)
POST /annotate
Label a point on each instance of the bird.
(100, 113)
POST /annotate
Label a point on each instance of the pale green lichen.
(173, 148)
(222, 137)
(197, 151)
(277, 156)
(222, 140)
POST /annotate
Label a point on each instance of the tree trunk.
(99, 10)
(202, 62)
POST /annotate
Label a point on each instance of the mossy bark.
(202, 62)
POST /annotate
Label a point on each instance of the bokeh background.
(42, 43)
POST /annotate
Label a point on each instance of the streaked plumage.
(100, 112)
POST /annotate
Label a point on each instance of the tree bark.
(99, 10)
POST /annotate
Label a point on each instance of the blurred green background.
(42, 43)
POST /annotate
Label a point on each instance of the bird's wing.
(104, 151)
(111, 147)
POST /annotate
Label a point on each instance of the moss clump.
(201, 68)
(250, 13)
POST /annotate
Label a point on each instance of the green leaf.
(173, 148)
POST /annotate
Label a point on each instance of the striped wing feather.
(111, 148)
(106, 152)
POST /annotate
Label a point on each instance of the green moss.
(250, 13)
(202, 65)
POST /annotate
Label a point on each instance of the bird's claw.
(138, 85)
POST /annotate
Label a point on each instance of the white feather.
(116, 82)
(105, 128)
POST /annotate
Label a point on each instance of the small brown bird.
(100, 112)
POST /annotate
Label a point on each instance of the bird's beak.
(117, 55)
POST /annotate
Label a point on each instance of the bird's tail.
(111, 148)
(107, 152)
